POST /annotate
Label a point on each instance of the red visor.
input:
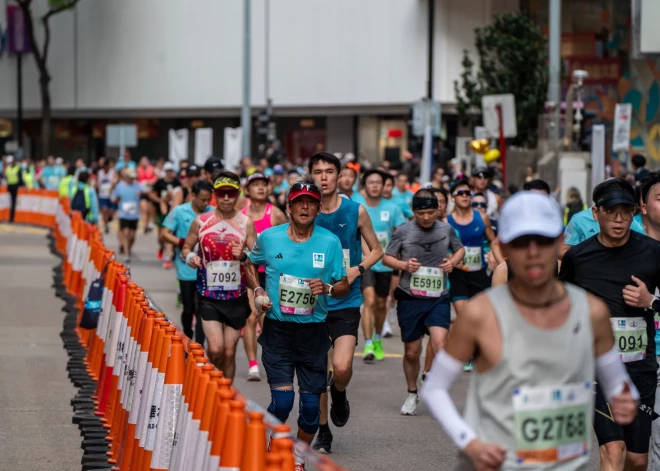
(299, 189)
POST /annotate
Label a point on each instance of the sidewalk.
(36, 432)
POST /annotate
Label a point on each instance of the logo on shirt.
(592, 230)
(279, 255)
(342, 225)
(318, 260)
(384, 215)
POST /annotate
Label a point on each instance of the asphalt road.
(376, 437)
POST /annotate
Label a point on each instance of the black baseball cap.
(213, 164)
(193, 170)
(612, 192)
(482, 171)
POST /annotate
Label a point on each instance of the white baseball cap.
(168, 166)
(529, 213)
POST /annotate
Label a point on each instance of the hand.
(637, 295)
(412, 265)
(317, 286)
(447, 265)
(624, 406)
(491, 260)
(236, 249)
(352, 273)
(195, 262)
(262, 302)
(485, 456)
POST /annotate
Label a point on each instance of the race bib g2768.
(428, 282)
(383, 239)
(630, 337)
(472, 259)
(552, 423)
(223, 275)
(295, 296)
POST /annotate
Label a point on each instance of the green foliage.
(61, 4)
(512, 59)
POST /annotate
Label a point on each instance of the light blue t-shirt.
(288, 264)
(385, 217)
(404, 200)
(358, 198)
(128, 197)
(179, 221)
(51, 176)
(121, 164)
(582, 226)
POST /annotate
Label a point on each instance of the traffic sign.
(121, 135)
(426, 110)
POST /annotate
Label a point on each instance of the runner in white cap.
(537, 345)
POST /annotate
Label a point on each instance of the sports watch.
(362, 270)
(331, 290)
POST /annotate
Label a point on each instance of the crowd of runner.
(540, 300)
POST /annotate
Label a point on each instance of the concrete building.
(342, 73)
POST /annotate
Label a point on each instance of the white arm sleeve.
(612, 374)
(435, 393)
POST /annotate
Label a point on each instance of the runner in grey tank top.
(538, 345)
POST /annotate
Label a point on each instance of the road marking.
(13, 229)
(387, 355)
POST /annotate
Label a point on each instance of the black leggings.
(13, 191)
(189, 301)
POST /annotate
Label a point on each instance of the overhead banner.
(203, 145)
(622, 120)
(178, 150)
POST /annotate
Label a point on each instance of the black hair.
(462, 182)
(612, 184)
(291, 172)
(225, 173)
(644, 188)
(537, 184)
(387, 176)
(324, 157)
(443, 192)
(371, 172)
(346, 167)
(83, 176)
(71, 169)
(402, 174)
(480, 194)
(638, 160)
(425, 193)
(201, 185)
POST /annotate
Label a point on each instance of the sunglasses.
(221, 194)
(525, 241)
(480, 205)
(463, 193)
(305, 186)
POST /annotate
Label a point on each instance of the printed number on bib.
(472, 259)
(552, 423)
(630, 337)
(129, 208)
(104, 190)
(347, 258)
(295, 296)
(383, 239)
(224, 276)
(428, 282)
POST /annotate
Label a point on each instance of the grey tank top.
(551, 375)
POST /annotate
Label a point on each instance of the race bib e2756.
(295, 296)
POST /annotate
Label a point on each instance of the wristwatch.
(655, 305)
(243, 257)
(362, 270)
(331, 290)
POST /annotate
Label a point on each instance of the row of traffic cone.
(33, 206)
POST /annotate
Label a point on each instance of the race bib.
(53, 181)
(130, 208)
(347, 258)
(552, 423)
(472, 259)
(223, 276)
(630, 337)
(428, 282)
(104, 190)
(295, 296)
(383, 239)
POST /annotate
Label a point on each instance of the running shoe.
(410, 405)
(379, 353)
(340, 410)
(253, 373)
(167, 265)
(127, 260)
(159, 255)
(368, 354)
(423, 377)
(323, 442)
(387, 329)
(468, 367)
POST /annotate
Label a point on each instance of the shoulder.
(323, 233)
(405, 228)
(645, 240)
(583, 247)
(598, 310)
(274, 231)
(477, 309)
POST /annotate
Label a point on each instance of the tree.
(40, 54)
(512, 59)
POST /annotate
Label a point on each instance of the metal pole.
(267, 56)
(19, 102)
(245, 114)
(554, 84)
(429, 81)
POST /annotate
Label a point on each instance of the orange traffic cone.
(254, 454)
(224, 397)
(202, 446)
(284, 447)
(273, 462)
(232, 450)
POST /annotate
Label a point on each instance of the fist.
(316, 286)
(624, 406)
(195, 262)
(485, 456)
(412, 265)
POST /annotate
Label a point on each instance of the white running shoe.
(253, 373)
(409, 407)
(387, 329)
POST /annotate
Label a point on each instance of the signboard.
(622, 119)
(420, 111)
(121, 135)
(489, 104)
(605, 71)
(17, 36)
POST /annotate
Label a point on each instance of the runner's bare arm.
(600, 325)
(177, 196)
(500, 274)
(250, 234)
(191, 239)
(166, 236)
(278, 217)
(251, 274)
(369, 236)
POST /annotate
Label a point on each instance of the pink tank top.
(261, 224)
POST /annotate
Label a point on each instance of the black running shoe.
(323, 442)
(340, 410)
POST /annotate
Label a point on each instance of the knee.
(342, 370)
(613, 454)
(214, 351)
(309, 412)
(281, 403)
(412, 353)
(229, 353)
(637, 461)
